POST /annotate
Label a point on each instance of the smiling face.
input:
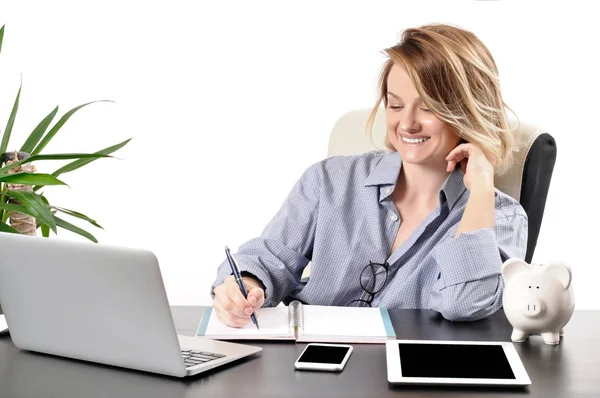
(412, 129)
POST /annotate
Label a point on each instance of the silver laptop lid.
(88, 301)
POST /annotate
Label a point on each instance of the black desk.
(571, 369)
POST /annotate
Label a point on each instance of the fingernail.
(249, 311)
(252, 300)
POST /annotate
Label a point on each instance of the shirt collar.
(387, 170)
(453, 187)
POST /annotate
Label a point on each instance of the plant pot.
(23, 223)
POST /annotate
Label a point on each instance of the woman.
(418, 227)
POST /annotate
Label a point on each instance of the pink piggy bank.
(538, 299)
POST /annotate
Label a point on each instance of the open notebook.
(306, 323)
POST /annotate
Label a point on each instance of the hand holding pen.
(237, 299)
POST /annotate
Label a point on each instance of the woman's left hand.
(478, 170)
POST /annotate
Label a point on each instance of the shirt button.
(394, 217)
(388, 190)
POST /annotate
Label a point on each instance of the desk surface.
(571, 369)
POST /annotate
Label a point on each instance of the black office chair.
(527, 181)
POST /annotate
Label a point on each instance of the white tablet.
(454, 362)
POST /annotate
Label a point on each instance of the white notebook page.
(273, 323)
(343, 321)
(3, 324)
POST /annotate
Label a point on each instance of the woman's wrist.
(483, 188)
(479, 212)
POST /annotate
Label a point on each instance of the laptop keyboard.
(195, 357)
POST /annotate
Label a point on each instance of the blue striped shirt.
(340, 215)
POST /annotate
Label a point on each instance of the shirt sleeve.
(278, 257)
(470, 285)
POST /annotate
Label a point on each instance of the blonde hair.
(457, 78)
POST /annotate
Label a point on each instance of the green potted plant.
(23, 206)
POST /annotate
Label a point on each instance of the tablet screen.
(454, 361)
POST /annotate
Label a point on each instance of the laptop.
(99, 303)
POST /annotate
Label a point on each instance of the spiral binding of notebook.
(295, 317)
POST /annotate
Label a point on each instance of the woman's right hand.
(230, 305)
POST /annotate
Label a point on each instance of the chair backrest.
(527, 181)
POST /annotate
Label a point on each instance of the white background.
(229, 102)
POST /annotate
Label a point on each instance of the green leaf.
(38, 132)
(3, 199)
(58, 125)
(45, 231)
(30, 179)
(17, 208)
(7, 228)
(36, 206)
(46, 202)
(1, 36)
(58, 156)
(66, 225)
(80, 163)
(78, 215)
(10, 123)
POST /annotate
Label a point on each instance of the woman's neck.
(419, 184)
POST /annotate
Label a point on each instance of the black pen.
(238, 278)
